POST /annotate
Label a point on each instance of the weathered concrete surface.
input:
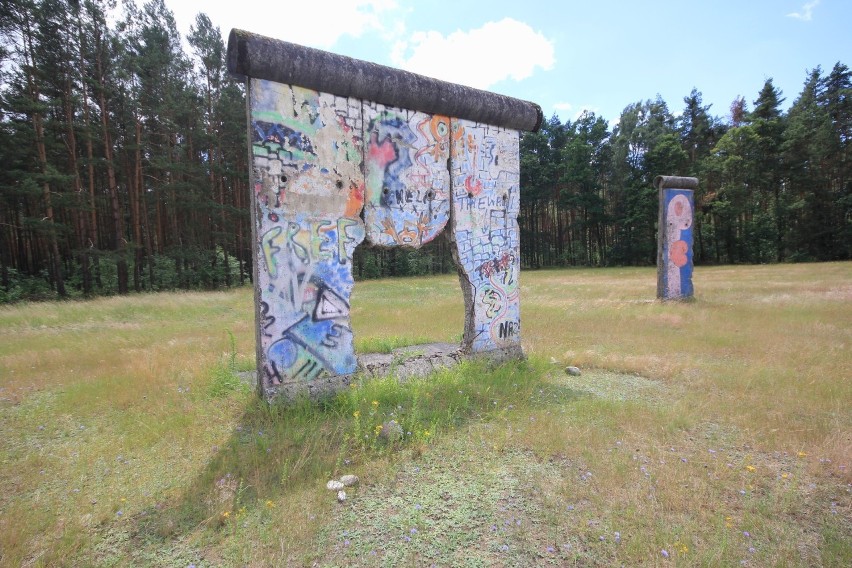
(402, 363)
(674, 238)
(260, 57)
(308, 196)
(326, 133)
(486, 202)
(407, 194)
(414, 361)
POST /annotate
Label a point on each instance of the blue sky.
(567, 55)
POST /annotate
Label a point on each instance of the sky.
(568, 56)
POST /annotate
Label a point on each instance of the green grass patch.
(711, 430)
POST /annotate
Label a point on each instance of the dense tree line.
(774, 186)
(125, 166)
(124, 159)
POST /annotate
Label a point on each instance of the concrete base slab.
(402, 363)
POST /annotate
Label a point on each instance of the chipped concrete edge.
(403, 363)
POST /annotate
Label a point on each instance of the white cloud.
(478, 58)
(807, 12)
(563, 106)
(321, 24)
(315, 24)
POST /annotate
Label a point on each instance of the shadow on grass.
(279, 450)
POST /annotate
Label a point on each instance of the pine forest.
(125, 166)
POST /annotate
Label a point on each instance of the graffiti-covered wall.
(486, 202)
(674, 255)
(337, 160)
(309, 192)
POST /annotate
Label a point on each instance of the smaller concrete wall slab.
(674, 255)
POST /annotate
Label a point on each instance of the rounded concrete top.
(675, 182)
(260, 57)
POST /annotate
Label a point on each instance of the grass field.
(711, 433)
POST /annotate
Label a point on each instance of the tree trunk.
(118, 228)
(53, 244)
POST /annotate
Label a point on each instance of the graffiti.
(315, 241)
(407, 181)
(309, 192)
(277, 138)
(485, 200)
(496, 265)
(509, 329)
(677, 243)
(313, 179)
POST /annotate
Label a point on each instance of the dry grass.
(716, 430)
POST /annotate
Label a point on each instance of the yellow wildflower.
(375, 403)
(356, 414)
(750, 467)
(801, 454)
(783, 476)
